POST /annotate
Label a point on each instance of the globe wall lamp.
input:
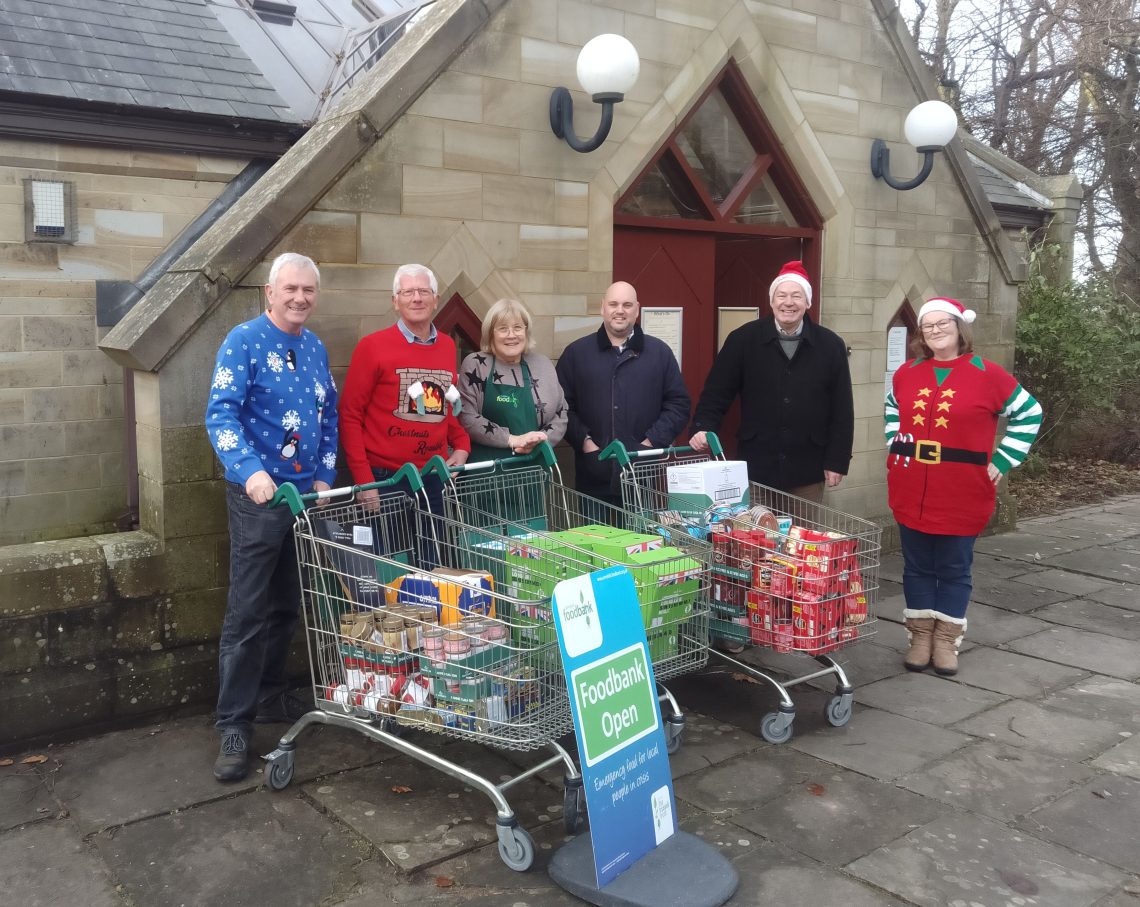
(929, 127)
(607, 68)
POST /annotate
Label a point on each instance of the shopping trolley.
(398, 643)
(552, 533)
(788, 575)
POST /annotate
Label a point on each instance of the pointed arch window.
(723, 168)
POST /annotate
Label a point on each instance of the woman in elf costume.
(941, 424)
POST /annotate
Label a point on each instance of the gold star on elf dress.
(920, 404)
(949, 392)
(941, 422)
(944, 406)
(925, 392)
(919, 419)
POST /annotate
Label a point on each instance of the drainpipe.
(115, 298)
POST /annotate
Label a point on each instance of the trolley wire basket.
(788, 574)
(551, 533)
(398, 642)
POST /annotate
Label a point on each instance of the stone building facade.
(443, 155)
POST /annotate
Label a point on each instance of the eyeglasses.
(941, 326)
(504, 330)
(415, 291)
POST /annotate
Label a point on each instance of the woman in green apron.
(511, 396)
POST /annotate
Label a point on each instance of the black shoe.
(283, 709)
(232, 763)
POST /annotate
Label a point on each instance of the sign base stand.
(683, 871)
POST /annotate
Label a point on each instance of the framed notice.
(665, 324)
(729, 318)
(896, 347)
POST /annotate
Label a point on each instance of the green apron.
(507, 405)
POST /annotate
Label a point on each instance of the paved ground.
(1018, 783)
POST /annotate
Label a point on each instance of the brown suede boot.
(920, 632)
(947, 638)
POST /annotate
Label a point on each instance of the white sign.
(665, 324)
(896, 348)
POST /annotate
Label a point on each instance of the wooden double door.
(718, 280)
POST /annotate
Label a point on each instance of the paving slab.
(990, 626)
(706, 742)
(47, 865)
(1103, 698)
(479, 877)
(1101, 819)
(749, 781)
(1033, 547)
(237, 852)
(26, 793)
(1012, 674)
(1127, 896)
(996, 780)
(881, 745)
(149, 771)
(1116, 562)
(927, 697)
(1123, 759)
(1045, 730)
(1084, 614)
(1063, 581)
(773, 874)
(966, 860)
(1014, 594)
(891, 567)
(1001, 567)
(436, 817)
(732, 697)
(1092, 651)
(1119, 595)
(839, 816)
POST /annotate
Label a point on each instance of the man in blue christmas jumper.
(272, 418)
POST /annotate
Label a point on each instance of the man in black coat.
(619, 383)
(797, 418)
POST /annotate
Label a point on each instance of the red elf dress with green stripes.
(941, 423)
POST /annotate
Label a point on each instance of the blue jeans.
(261, 612)
(937, 579)
(428, 554)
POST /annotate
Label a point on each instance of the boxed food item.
(815, 623)
(615, 546)
(666, 579)
(536, 565)
(663, 643)
(695, 487)
(464, 592)
(784, 573)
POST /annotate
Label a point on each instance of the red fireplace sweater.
(379, 425)
(957, 403)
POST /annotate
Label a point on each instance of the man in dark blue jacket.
(619, 383)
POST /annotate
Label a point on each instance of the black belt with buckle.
(932, 452)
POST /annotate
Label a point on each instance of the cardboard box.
(695, 487)
(666, 578)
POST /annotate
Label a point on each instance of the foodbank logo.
(578, 614)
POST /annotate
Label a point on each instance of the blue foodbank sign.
(613, 696)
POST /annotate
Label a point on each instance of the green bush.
(1078, 352)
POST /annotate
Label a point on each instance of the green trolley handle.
(543, 453)
(288, 494)
(615, 450)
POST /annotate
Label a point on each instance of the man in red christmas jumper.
(399, 399)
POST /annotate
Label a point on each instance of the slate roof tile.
(168, 54)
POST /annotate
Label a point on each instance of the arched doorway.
(708, 223)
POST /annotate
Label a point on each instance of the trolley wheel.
(776, 727)
(838, 711)
(573, 805)
(280, 769)
(674, 732)
(518, 852)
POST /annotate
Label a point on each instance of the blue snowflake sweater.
(273, 406)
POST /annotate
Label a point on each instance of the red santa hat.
(950, 307)
(793, 271)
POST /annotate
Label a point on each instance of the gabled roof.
(1003, 191)
(169, 55)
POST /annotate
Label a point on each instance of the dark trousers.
(937, 574)
(261, 612)
(428, 551)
